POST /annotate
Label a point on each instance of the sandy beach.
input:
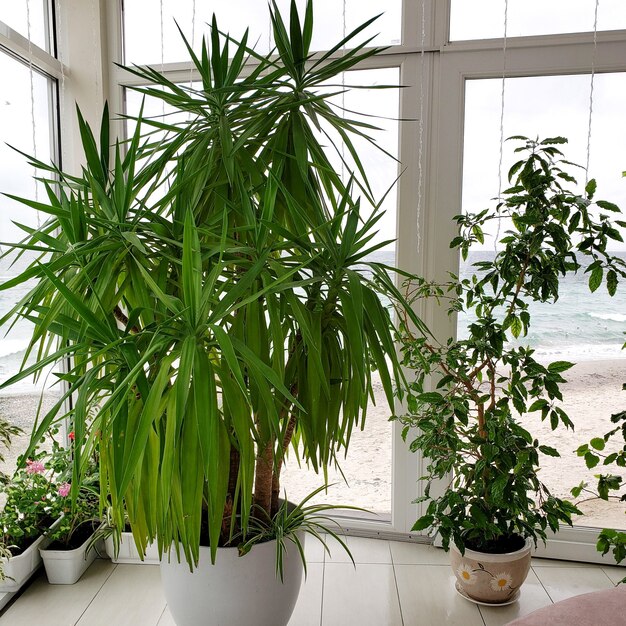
(21, 410)
(592, 394)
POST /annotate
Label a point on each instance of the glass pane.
(484, 19)
(370, 448)
(16, 15)
(18, 403)
(585, 328)
(328, 19)
(365, 476)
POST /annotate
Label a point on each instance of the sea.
(580, 326)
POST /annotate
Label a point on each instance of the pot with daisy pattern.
(491, 578)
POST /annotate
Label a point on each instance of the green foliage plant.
(32, 499)
(205, 279)
(469, 395)
(596, 454)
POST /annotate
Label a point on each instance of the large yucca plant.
(206, 282)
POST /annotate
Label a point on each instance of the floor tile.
(532, 597)
(565, 582)
(57, 605)
(308, 611)
(615, 573)
(405, 553)
(363, 550)
(365, 596)
(536, 562)
(132, 596)
(428, 597)
(314, 549)
(166, 618)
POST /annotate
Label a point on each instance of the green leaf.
(516, 327)
(595, 279)
(423, 523)
(560, 366)
(611, 282)
(597, 443)
(608, 206)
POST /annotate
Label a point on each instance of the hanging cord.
(31, 72)
(62, 94)
(501, 158)
(162, 54)
(420, 149)
(193, 40)
(343, 89)
(591, 85)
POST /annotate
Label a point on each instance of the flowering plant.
(30, 505)
(79, 516)
(38, 494)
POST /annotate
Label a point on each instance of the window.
(581, 327)
(330, 25)
(484, 19)
(28, 112)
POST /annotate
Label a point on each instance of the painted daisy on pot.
(465, 574)
(501, 581)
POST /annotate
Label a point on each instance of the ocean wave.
(10, 347)
(580, 352)
(609, 317)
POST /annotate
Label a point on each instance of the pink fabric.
(599, 608)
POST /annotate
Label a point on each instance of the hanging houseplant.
(207, 285)
(470, 393)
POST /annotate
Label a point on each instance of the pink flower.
(64, 489)
(72, 436)
(34, 467)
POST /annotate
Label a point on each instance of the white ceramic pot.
(18, 569)
(236, 590)
(128, 551)
(490, 578)
(65, 567)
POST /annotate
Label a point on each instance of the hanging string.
(193, 40)
(420, 149)
(31, 73)
(95, 36)
(502, 93)
(59, 52)
(591, 85)
(343, 89)
(162, 54)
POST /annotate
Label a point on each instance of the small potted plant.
(71, 541)
(29, 512)
(489, 504)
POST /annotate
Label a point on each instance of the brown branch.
(291, 426)
(121, 317)
(263, 474)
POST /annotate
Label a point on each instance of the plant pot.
(490, 578)
(65, 567)
(236, 590)
(18, 569)
(128, 552)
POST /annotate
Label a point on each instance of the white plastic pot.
(18, 569)
(65, 567)
(128, 551)
(236, 590)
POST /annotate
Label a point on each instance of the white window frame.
(445, 66)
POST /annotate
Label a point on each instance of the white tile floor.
(394, 583)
